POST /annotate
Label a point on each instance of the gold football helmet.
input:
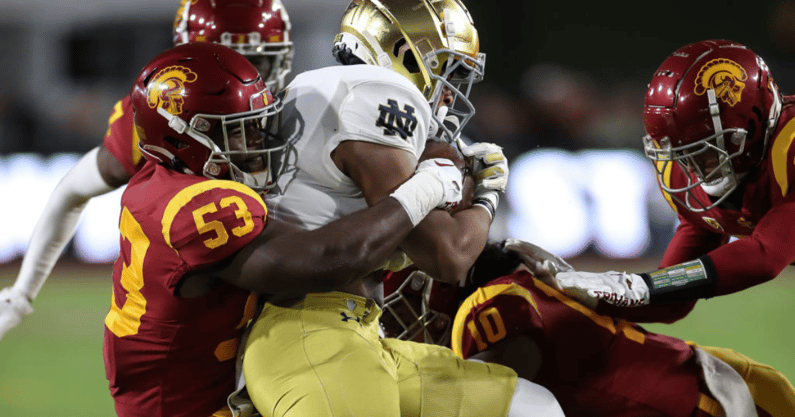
(433, 43)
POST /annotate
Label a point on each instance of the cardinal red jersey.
(166, 355)
(595, 365)
(762, 217)
(121, 138)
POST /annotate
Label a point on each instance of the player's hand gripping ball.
(438, 149)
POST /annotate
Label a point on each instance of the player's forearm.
(757, 258)
(689, 242)
(446, 246)
(357, 244)
(322, 259)
(58, 222)
(731, 268)
(746, 263)
(663, 313)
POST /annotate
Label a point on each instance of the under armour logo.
(346, 317)
(394, 121)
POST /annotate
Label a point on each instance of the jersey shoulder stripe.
(486, 297)
(208, 194)
(781, 156)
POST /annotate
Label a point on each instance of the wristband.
(684, 282)
(488, 200)
(486, 204)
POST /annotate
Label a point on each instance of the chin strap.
(714, 111)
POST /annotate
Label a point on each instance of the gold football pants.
(325, 358)
(770, 389)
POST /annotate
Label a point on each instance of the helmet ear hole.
(760, 119)
(402, 50)
(176, 143)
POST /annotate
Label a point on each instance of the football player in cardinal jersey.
(357, 131)
(595, 365)
(196, 242)
(720, 137)
(258, 29)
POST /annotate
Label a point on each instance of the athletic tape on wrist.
(419, 195)
(687, 281)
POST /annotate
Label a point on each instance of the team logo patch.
(396, 122)
(712, 222)
(724, 76)
(167, 88)
(346, 317)
(745, 223)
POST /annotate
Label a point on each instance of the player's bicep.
(376, 169)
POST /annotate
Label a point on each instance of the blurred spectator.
(497, 120)
(617, 121)
(18, 124)
(558, 106)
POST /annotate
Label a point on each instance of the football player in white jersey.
(357, 132)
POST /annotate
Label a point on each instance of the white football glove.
(490, 169)
(617, 288)
(542, 263)
(437, 183)
(14, 306)
(489, 166)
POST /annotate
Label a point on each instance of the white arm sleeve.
(58, 222)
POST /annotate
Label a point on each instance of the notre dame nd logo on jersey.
(724, 76)
(167, 86)
(396, 121)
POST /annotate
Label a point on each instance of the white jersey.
(325, 107)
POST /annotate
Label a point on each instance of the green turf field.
(51, 365)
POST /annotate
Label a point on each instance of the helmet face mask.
(707, 162)
(450, 104)
(257, 29)
(434, 44)
(711, 107)
(203, 109)
(246, 147)
(417, 308)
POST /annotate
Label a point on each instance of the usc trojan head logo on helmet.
(724, 76)
(166, 89)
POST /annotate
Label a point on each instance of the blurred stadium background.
(563, 95)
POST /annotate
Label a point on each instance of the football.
(439, 149)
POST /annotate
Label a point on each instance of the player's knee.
(531, 399)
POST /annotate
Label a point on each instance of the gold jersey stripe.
(667, 182)
(779, 152)
(135, 151)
